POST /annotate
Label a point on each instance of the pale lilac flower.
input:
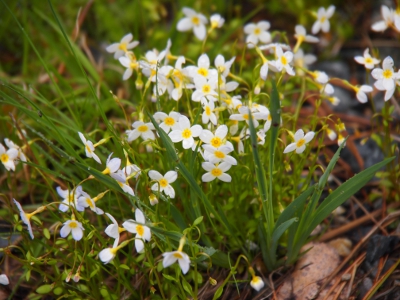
(386, 77)
(141, 129)
(168, 122)
(8, 157)
(89, 148)
(388, 15)
(216, 171)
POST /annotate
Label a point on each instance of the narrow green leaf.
(344, 192)
(276, 235)
(169, 277)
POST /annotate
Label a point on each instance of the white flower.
(185, 133)
(244, 116)
(257, 32)
(205, 89)
(113, 230)
(123, 46)
(367, 60)
(86, 201)
(300, 141)
(216, 171)
(72, 226)
(10, 144)
(169, 122)
(108, 254)
(257, 283)
(208, 114)
(388, 15)
(143, 232)
(131, 64)
(180, 256)
(112, 165)
(222, 66)
(195, 21)
(360, 93)
(323, 17)
(216, 155)
(89, 148)
(202, 68)
(385, 77)
(122, 180)
(302, 60)
(164, 182)
(26, 218)
(282, 61)
(7, 157)
(141, 129)
(320, 77)
(301, 35)
(216, 21)
(4, 279)
(70, 198)
(216, 139)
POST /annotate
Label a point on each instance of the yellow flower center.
(368, 60)
(257, 31)
(133, 65)
(216, 172)
(4, 158)
(387, 74)
(186, 133)
(283, 60)
(246, 116)
(139, 230)
(73, 224)
(123, 47)
(163, 183)
(219, 154)
(169, 121)
(203, 72)
(216, 142)
(89, 202)
(196, 21)
(143, 128)
(206, 89)
(88, 149)
(214, 24)
(300, 143)
(177, 255)
(70, 198)
(323, 19)
(208, 111)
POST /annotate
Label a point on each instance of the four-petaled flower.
(257, 32)
(185, 133)
(74, 227)
(141, 129)
(163, 183)
(193, 20)
(143, 232)
(7, 157)
(323, 17)
(123, 46)
(180, 256)
(216, 171)
(89, 148)
(300, 141)
(386, 77)
(367, 60)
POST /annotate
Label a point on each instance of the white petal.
(139, 245)
(139, 216)
(184, 25)
(200, 31)
(171, 176)
(155, 175)
(207, 177)
(289, 148)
